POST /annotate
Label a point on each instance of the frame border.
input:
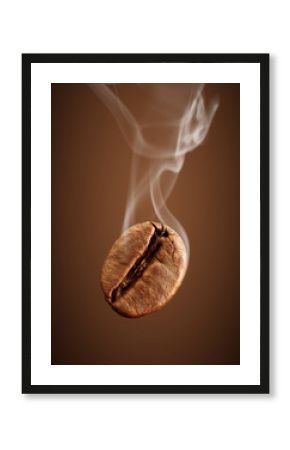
(263, 60)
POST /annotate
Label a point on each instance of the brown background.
(90, 170)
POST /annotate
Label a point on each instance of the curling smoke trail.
(178, 115)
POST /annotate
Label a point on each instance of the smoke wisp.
(169, 121)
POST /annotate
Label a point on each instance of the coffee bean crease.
(142, 263)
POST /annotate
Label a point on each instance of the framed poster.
(145, 226)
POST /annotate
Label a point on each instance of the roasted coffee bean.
(143, 269)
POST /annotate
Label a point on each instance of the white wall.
(202, 422)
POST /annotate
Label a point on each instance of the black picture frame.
(263, 60)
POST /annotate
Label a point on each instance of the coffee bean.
(143, 269)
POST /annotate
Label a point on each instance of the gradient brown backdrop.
(90, 171)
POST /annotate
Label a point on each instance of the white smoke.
(173, 121)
